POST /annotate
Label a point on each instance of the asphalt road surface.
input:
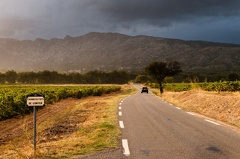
(155, 129)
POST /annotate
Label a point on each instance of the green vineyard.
(13, 97)
(225, 86)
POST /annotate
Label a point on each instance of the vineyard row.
(13, 98)
(225, 86)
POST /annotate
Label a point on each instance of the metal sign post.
(34, 128)
(34, 100)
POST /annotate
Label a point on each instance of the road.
(154, 129)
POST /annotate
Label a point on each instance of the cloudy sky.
(210, 20)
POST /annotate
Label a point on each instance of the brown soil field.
(221, 106)
(16, 127)
(17, 133)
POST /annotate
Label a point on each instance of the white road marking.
(212, 122)
(125, 147)
(190, 113)
(120, 103)
(171, 104)
(120, 108)
(120, 113)
(178, 108)
(121, 124)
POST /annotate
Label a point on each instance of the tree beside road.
(159, 70)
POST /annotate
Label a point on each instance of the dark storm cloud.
(212, 20)
(165, 12)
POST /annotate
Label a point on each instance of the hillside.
(110, 51)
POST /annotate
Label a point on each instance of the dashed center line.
(125, 147)
(120, 113)
(121, 124)
(124, 141)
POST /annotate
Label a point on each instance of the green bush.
(225, 86)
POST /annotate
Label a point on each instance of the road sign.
(35, 100)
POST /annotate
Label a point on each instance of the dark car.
(144, 89)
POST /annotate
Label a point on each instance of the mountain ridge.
(114, 51)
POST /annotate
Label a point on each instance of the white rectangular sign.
(35, 101)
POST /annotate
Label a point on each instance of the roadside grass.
(222, 106)
(88, 126)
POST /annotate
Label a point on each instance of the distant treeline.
(210, 76)
(113, 77)
(194, 77)
(53, 77)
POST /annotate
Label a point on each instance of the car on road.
(144, 89)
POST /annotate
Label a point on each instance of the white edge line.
(212, 122)
(125, 147)
(120, 103)
(120, 108)
(178, 108)
(120, 113)
(190, 113)
(121, 124)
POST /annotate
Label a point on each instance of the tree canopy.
(159, 70)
